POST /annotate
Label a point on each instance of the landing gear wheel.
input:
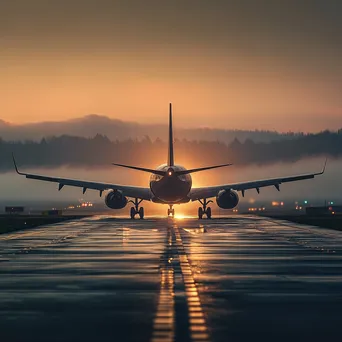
(204, 210)
(141, 213)
(200, 213)
(136, 210)
(132, 212)
(208, 212)
(171, 212)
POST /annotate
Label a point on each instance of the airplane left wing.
(129, 191)
(212, 191)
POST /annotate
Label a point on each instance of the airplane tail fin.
(170, 159)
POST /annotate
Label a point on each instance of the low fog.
(18, 189)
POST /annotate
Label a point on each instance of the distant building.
(324, 211)
(53, 212)
(14, 210)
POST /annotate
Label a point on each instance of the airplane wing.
(212, 191)
(129, 191)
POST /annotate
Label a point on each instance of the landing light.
(170, 173)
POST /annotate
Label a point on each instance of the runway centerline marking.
(197, 324)
(175, 262)
(164, 321)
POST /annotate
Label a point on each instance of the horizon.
(240, 65)
(98, 117)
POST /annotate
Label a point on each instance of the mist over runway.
(237, 278)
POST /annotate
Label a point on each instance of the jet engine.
(227, 199)
(115, 200)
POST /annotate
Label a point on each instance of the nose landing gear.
(136, 210)
(171, 211)
(204, 210)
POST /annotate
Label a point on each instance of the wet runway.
(234, 279)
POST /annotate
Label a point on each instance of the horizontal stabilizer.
(156, 172)
(185, 172)
(177, 173)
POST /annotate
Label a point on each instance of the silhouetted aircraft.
(171, 184)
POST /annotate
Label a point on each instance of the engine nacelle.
(115, 200)
(227, 199)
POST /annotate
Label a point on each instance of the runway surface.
(234, 279)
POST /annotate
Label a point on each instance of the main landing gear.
(204, 210)
(136, 210)
(170, 211)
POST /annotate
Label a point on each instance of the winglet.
(15, 166)
(325, 164)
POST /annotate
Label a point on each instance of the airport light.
(305, 202)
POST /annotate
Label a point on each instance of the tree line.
(100, 151)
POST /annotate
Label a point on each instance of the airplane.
(170, 184)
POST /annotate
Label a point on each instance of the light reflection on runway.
(197, 325)
(233, 279)
(164, 321)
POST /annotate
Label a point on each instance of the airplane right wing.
(212, 191)
(128, 191)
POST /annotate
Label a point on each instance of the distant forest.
(100, 151)
(88, 126)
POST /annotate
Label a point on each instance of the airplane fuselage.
(171, 188)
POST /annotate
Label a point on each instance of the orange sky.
(228, 66)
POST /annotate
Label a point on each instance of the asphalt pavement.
(233, 279)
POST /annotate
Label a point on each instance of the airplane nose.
(170, 172)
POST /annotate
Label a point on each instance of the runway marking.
(164, 321)
(192, 326)
(326, 232)
(299, 240)
(14, 236)
(197, 324)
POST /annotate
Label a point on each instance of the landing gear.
(141, 213)
(171, 212)
(136, 210)
(209, 213)
(204, 210)
(200, 213)
(133, 212)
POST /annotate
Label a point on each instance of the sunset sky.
(231, 64)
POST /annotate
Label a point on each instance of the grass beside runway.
(10, 223)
